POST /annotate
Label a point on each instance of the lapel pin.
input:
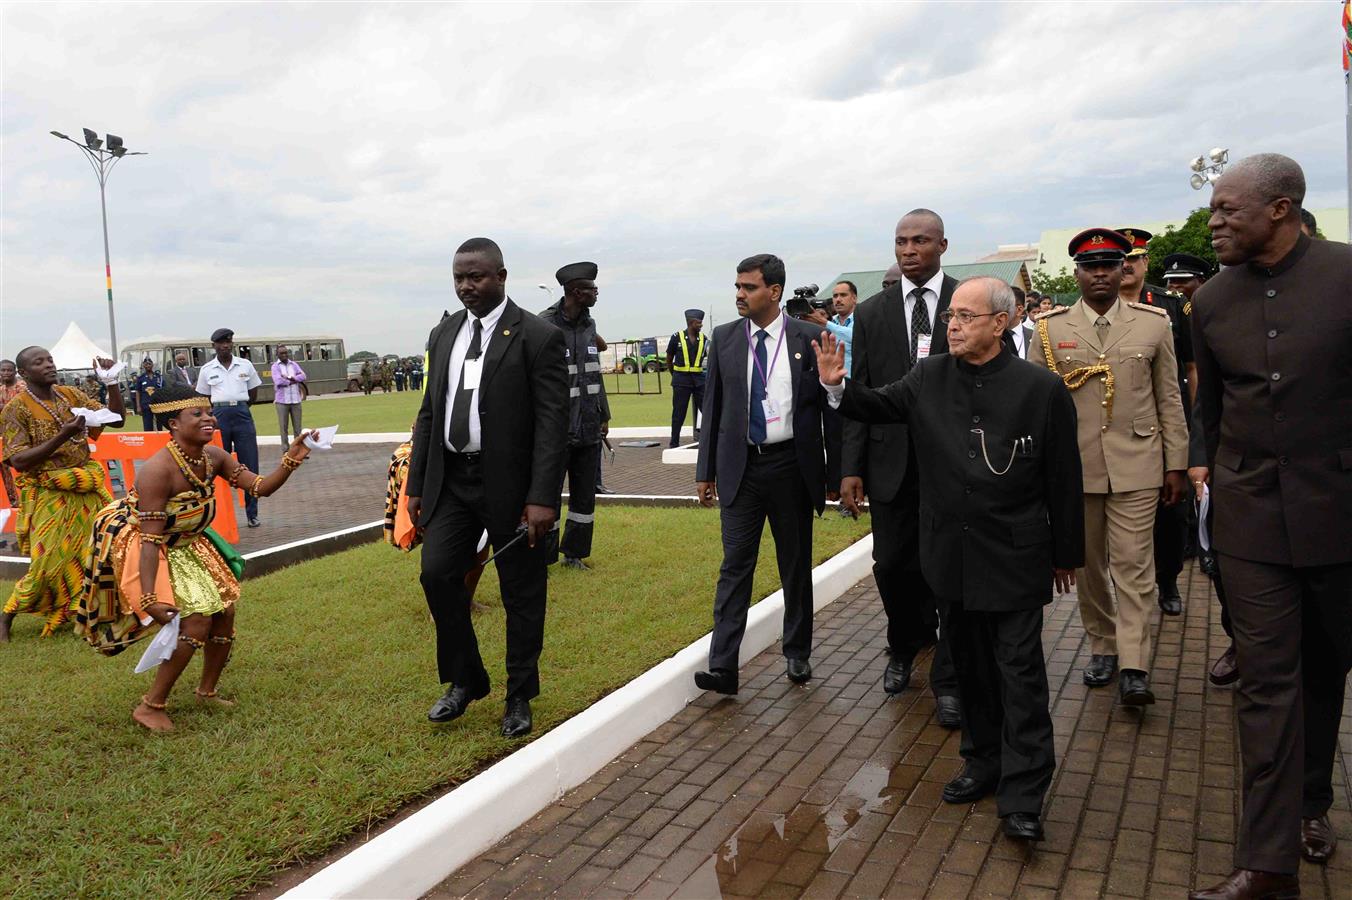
(506, 331)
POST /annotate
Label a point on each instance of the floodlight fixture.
(1206, 169)
(1198, 181)
(1197, 164)
(115, 145)
(1219, 155)
(92, 139)
(60, 135)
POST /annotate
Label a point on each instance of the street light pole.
(102, 159)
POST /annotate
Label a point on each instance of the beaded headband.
(175, 405)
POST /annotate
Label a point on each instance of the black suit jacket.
(523, 417)
(881, 354)
(990, 539)
(722, 440)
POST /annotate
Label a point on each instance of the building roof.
(871, 282)
(1028, 253)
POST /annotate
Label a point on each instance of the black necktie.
(465, 398)
(920, 323)
(756, 429)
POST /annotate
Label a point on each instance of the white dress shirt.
(459, 350)
(931, 289)
(779, 380)
(1020, 345)
(227, 384)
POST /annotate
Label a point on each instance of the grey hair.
(998, 291)
(1274, 176)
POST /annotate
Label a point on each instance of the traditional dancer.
(60, 488)
(154, 558)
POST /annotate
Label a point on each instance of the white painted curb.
(414, 856)
(398, 437)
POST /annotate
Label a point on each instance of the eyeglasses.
(962, 315)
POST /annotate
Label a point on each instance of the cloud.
(313, 166)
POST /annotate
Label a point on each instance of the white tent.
(75, 350)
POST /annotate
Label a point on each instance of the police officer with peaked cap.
(687, 360)
(1117, 358)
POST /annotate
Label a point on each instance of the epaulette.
(1054, 311)
(1187, 308)
(1157, 310)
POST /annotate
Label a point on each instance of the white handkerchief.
(483, 540)
(325, 439)
(161, 648)
(5, 513)
(109, 376)
(1203, 535)
(95, 417)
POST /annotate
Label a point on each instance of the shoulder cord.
(1079, 377)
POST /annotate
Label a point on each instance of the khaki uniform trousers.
(1119, 552)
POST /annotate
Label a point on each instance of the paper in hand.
(96, 417)
(109, 376)
(325, 439)
(161, 648)
(1204, 507)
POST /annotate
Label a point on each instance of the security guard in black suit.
(1171, 522)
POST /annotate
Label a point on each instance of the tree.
(1062, 282)
(1194, 237)
(361, 355)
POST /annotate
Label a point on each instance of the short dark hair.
(770, 266)
(22, 356)
(487, 247)
(853, 290)
(921, 212)
(1019, 295)
(1308, 218)
(10, 361)
(168, 394)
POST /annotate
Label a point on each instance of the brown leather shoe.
(1225, 670)
(1250, 884)
(1317, 840)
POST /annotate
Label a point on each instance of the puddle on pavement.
(772, 839)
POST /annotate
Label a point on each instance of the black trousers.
(584, 466)
(773, 489)
(911, 607)
(682, 392)
(240, 437)
(1171, 523)
(1006, 722)
(450, 542)
(1293, 642)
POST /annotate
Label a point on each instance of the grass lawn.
(381, 412)
(334, 673)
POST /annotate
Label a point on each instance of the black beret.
(222, 334)
(576, 271)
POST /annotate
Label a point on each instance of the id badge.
(771, 410)
(472, 371)
(922, 346)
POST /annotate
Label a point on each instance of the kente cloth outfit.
(193, 574)
(57, 501)
(399, 529)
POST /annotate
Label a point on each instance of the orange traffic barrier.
(127, 448)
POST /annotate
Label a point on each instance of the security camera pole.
(102, 159)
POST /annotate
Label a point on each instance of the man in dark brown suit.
(1273, 340)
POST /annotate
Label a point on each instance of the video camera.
(805, 300)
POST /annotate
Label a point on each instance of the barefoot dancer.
(152, 557)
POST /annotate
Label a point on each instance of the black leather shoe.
(718, 680)
(1248, 884)
(1022, 826)
(1317, 839)
(967, 788)
(948, 712)
(799, 671)
(254, 523)
(571, 563)
(897, 675)
(1100, 670)
(1134, 687)
(453, 703)
(602, 489)
(1170, 601)
(1225, 670)
(516, 720)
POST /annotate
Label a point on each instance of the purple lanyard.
(774, 358)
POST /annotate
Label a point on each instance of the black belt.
(219, 403)
(762, 449)
(464, 457)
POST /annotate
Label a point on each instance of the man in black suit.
(761, 457)
(1002, 515)
(489, 447)
(893, 331)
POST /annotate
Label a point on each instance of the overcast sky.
(313, 167)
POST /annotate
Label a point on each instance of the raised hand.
(830, 358)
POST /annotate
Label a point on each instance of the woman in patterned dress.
(153, 557)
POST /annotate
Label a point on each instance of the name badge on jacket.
(473, 371)
(922, 346)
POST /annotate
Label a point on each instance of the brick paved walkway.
(833, 790)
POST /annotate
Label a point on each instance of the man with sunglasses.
(1117, 358)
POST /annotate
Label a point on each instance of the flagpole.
(1347, 86)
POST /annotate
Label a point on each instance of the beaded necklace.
(75, 438)
(185, 464)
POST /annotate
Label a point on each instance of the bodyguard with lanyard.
(232, 384)
(762, 457)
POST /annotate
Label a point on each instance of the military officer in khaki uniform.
(1118, 360)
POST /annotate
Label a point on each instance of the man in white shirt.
(232, 384)
(761, 457)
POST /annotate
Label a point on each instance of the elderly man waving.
(1002, 518)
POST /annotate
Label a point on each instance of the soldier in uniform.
(1171, 522)
(687, 356)
(386, 375)
(367, 379)
(588, 409)
(1118, 360)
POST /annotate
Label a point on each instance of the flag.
(1347, 34)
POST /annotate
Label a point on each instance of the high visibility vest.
(685, 355)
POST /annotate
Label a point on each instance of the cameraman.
(843, 300)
